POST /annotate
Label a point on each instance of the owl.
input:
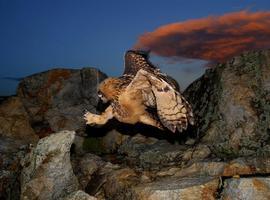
(143, 94)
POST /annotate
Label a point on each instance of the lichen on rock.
(233, 111)
(47, 172)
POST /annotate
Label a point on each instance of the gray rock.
(92, 172)
(79, 195)
(15, 122)
(151, 153)
(256, 188)
(112, 141)
(126, 183)
(16, 135)
(47, 172)
(236, 167)
(233, 111)
(199, 152)
(233, 120)
(11, 153)
(56, 99)
(119, 182)
(85, 166)
(174, 189)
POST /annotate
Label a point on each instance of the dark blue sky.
(39, 35)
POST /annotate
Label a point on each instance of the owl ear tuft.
(145, 53)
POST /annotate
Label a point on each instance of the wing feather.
(173, 110)
(136, 60)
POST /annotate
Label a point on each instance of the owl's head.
(108, 89)
(137, 55)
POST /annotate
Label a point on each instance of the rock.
(119, 182)
(190, 141)
(198, 169)
(247, 188)
(11, 153)
(125, 183)
(184, 189)
(151, 153)
(78, 144)
(169, 171)
(105, 141)
(233, 111)
(247, 166)
(199, 152)
(56, 99)
(239, 166)
(80, 195)
(14, 121)
(233, 125)
(112, 141)
(85, 166)
(16, 134)
(92, 172)
(47, 172)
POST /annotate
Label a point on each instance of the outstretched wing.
(136, 60)
(173, 110)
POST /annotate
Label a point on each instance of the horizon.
(37, 36)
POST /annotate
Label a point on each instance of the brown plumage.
(143, 94)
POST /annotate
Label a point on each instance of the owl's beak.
(101, 105)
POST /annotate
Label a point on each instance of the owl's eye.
(100, 94)
(102, 97)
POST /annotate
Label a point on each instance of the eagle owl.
(143, 94)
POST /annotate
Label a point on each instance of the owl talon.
(90, 118)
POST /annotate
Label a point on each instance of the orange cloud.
(214, 38)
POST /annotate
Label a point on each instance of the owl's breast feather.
(131, 103)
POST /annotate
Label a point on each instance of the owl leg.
(146, 119)
(93, 119)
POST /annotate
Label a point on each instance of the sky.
(183, 36)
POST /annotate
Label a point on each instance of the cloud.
(214, 38)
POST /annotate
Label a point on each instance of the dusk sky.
(39, 35)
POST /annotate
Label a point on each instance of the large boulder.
(46, 102)
(127, 184)
(56, 99)
(47, 172)
(229, 158)
(171, 188)
(15, 122)
(152, 153)
(16, 135)
(247, 188)
(79, 195)
(12, 151)
(233, 111)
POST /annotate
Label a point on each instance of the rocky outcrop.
(11, 153)
(93, 173)
(155, 154)
(79, 195)
(247, 188)
(225, 156)
(184, 189)
(16, 135)
(45, 102)
(47, 172)
(233, 111)
(14, 121)
(56, 100)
